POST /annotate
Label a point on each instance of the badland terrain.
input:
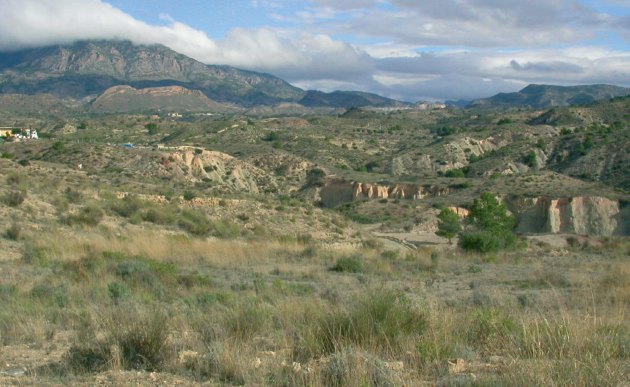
(178, 223)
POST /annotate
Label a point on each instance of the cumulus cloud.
(473, 23)
(35, 23)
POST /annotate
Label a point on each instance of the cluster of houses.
(18, 134)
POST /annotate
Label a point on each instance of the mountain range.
(157, 77)
(545, 96)
(86, 69)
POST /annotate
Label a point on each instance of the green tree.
(490, 226)
(448, 224)
(152, 128)
(532, 160)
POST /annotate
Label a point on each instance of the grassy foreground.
(91, 306)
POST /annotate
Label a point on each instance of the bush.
(90, 215)
(195, 223)
(57, 295)
(58, 146)
(89, 357)
(14, 232)
(117, 291)
(490, 328)
(315, 177)
(190, 195)
(14, 198)
(141, 340)
(225, 229)
(161, 216)
(481, 241)
(454, 173)
(127, 206)
(348, 265)
(136, 342)
(246, 321)
(531, 160)
(271, 137)
(382, 320)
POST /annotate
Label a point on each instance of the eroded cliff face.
(219, 168)
(578, 215)
(337, 193)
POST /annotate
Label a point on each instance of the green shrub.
(271, 137)
(162, 215)
(195, 223)
(33, 254)
(490, 328)
(152, 128)
(225, 229)
(90, 215)
(58, 146)
(56, 295)
(454, 173)
(348, 265)
(384, 320)
(481, 241)
(246, 320)
(117, 291)
(127, 206)
(190, 195)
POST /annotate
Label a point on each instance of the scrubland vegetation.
(86, 299)
(124, 266)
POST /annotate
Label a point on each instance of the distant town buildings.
(18, 134)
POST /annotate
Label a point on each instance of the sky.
(410, 50)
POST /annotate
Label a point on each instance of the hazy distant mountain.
(545, 96)
(87, 69)
(460, 103)
(347, 99)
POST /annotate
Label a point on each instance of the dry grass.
(272, 312)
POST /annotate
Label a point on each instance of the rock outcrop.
(446, 156)
(337, 193)
(219, 168)
(577, 215)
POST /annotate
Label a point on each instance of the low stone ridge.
(337, 193)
